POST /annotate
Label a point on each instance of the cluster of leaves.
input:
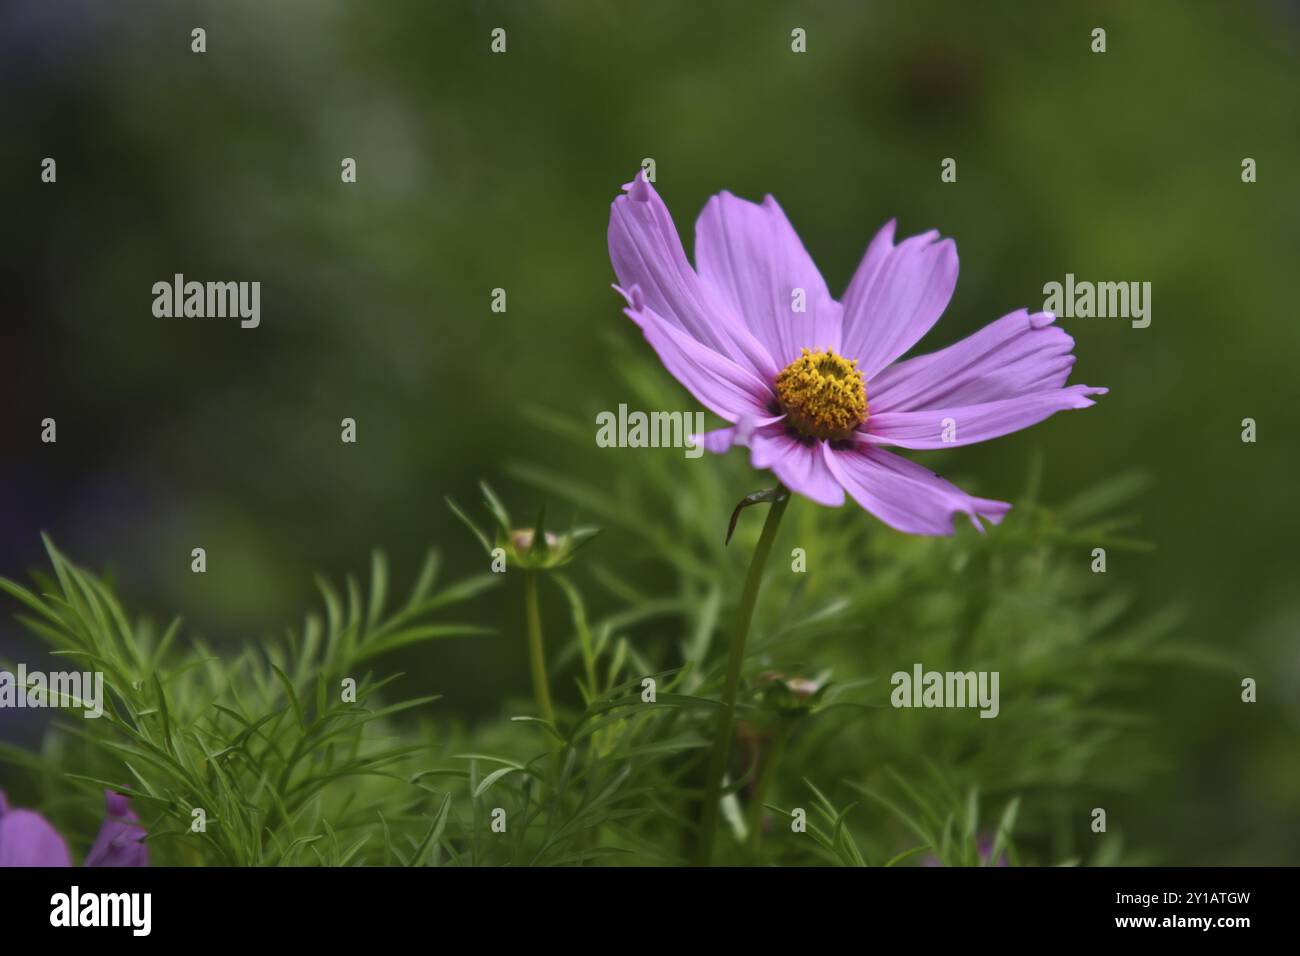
(269, 756)
(1077, 659)
(289, 768)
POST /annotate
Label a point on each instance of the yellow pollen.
(823, 395)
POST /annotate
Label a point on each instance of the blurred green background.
(478, 171)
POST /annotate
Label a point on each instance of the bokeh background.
(478, 171)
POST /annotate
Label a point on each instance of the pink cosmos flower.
(814, 387)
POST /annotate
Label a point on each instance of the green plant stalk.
(536, 653)
(765, 776)
(735, 658)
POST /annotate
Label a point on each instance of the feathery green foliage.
(289, 770)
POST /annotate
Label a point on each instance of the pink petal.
(752, 258)
(904, 495)
(1016, 355)
(28, 839)
(799, 464)
(121, 837)
(721, 440)
(645, 251)
(896, 295)
(717, 441)
(725, 388)
(968, 424)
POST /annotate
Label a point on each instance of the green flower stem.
(735, 658)
(536, 654)
(765, 776)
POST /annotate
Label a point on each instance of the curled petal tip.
(117, 805)
(633, 296)
(639, 189)
(990, 510)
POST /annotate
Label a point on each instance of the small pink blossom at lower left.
(28, 839)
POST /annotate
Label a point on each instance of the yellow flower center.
(823, 395)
